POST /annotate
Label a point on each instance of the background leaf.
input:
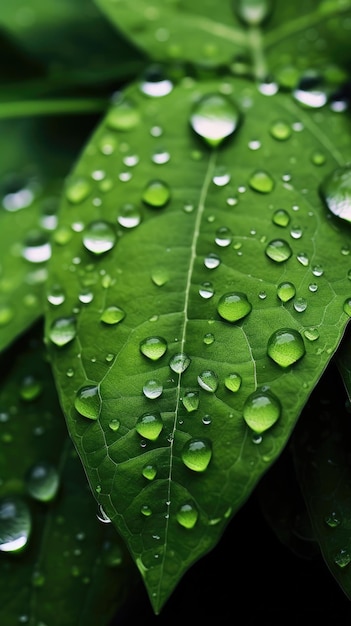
(154, 270)
(73, 569)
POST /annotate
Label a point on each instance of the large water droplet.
(278, 250)
(261, 410)
(212, 261)
(149, 471)
(206, 290)
(214, 118)
(208, 381)
(336, 192)
(43, 482)
(286, 346)
(261, 181)
(280, 130)
(187, 515)
(233, 306)
(156, 194)
(155, 84)
(15, 524)
(149, 426)
(112, 315)
(342, 558)
(63, 330)
(309, 92)
(223, 237)
(88, 401)
(124, 115)
(36, 248)
(56, 295)
(153, 347)
(152, 389)
(179, 362)
(99, 237)
(196, 454)
(114, 424)
(191, 401)
(253, 12)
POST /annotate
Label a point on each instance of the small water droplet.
(300, 304)
(208, 380)
(146, 510)
(233, 306)
(42, 482)
(191, 401)
(317, 270)
(112, 315)
(253, 12)
(78, 189)
(261, 410)
(206, 290)
(123, 115)
(88, 401)
(313, 287)
(347, 306)
(153, 347)
(318, 158)
(303, 258)
(212, 261)
(179, 362)
(129, 216)
(342, 558)
(156, 194)
(63, 330)
(223, 237)
(160, 276)
(280, 130)
(261, 181)
(154, 83)
(233, 382)
(278, 250)
(36, 248)
(309, 92)
(187, 515)
(214, 118)
(281, 217)
(15, 524)
(208, 339)
(149, 426)
(160, 156)
(336, 192)
(114, 424)
(286, 346)
(6, 314)
(99, 237)
(30, 388)
(311, 333)
(149, 471)
(56, 295)
(332, 520)
(286, 291)
(221, 176)
(197, 454)
(152, 389)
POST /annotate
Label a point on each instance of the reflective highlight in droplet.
(99, 237)
(286, 347)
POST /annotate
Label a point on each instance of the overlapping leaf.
(70, 566)
(161, 226)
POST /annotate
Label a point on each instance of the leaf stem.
(258, 58)
(60, 106)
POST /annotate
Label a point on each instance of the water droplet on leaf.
(15, 524)
(214, 118)
(261, 181)
(280, 130)
(233, 382)
(261, 410)
(286, 291)
(129, 216)
(155, 84)
(208, 381)
(253, 12)
(281, 217)
(212, 261)
(187, 515)
(233, 306)
(112, 315)
(63, 330)
(78, 189)
(88, 402)
(278, 250)
(149, 426)
(43, 482)
(156, 194)
(179, 363)
(191, 401)
(286, 346)
(197, 454)
(123, 116)
(99, 237)
(114, 424)
(153, 347)
(149, 472)
(152, 389)
(336, 192)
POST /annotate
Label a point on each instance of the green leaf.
(70, 564)
(291, 36)
(163, 226)
(321, 458)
